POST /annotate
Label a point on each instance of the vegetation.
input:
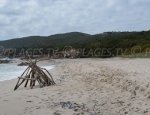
(107, 44)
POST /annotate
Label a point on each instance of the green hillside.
(46, 41)
(126, 41)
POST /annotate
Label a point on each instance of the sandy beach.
(115, 86)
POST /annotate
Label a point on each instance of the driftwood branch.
(34, 73)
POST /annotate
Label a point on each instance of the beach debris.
(35, 73)
(77, 109)
(73, 106)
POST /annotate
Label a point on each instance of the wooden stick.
(27, 77)
(49, 75)
(25, 71)
(33, 73)
(17, 85)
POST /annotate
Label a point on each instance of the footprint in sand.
(29, 101)
(5, 100)
(58, 112)
(37, 107)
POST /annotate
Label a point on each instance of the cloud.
(2, 3)
(44, 17)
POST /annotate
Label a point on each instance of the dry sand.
(84, 87)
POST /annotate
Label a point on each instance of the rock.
(126, 113)
(4, 61)
(23, 64)
(148, 97)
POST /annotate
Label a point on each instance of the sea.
(12, 71)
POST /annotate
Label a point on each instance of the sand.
(112, 86)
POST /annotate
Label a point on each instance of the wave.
(11, 71)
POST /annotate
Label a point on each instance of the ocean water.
(12, 71)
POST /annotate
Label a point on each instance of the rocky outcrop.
(23, 64)
(4, 61)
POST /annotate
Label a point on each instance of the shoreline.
(89, 86)
(15, 71)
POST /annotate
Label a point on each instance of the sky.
(19, 18)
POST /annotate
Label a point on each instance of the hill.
(45, 41)
(125, 41)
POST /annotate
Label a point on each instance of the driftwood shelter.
(35, 73)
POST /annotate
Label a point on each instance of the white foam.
(10, 71)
